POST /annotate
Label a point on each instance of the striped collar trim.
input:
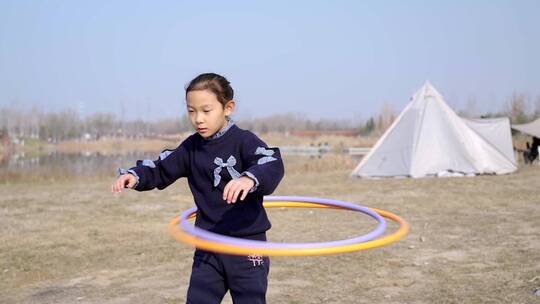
(219, 134)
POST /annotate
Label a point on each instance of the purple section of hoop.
(201, 233)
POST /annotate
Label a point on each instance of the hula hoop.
(226, 248)
(211, 236)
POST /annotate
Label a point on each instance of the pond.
(65, 165)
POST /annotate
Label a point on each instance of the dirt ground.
(473, 240)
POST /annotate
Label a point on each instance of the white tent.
(495, 131)
(532, 128)
(429, 139)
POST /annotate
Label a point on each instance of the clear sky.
(327, 59)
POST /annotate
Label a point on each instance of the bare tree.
(517, 108)
(471, 108)
(102, 124)
(536, 107)
(386, 117)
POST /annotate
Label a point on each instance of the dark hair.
(214, 83)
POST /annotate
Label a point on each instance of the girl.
(229, 170)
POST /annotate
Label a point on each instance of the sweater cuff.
(250, 175)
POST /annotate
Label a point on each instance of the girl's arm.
(170, 166)
(265, 165)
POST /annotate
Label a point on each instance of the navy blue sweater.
(208, 166)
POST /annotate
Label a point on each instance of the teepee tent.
(429, 139)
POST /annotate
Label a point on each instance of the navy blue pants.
(213, 274)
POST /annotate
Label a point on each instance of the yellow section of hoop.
(218, 247)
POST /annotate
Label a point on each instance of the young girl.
(229, 170)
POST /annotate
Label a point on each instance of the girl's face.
(206, 113)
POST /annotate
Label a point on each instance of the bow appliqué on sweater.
(231, 161)
(267, 155)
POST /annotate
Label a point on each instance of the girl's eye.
(206, 111)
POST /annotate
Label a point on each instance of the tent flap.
(532, 128)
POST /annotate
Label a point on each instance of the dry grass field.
(473, 240)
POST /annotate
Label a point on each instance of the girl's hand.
(122, 181)
(234, 187)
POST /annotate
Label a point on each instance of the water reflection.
(58, 165)
(68, 164)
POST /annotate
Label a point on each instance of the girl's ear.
(229, 107)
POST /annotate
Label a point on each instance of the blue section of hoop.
(201, 233)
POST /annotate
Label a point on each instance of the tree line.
(68, 124)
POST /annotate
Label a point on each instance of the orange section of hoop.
(204, 244)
